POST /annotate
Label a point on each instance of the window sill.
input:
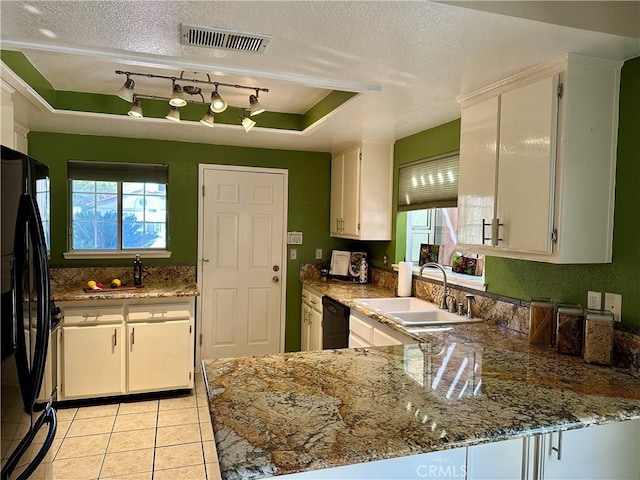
(107, 254)
(453, 278)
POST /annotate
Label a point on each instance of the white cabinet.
(311, 321)
(598, 452)
(92, 361)
(495, 461)
(366, 332)
(158, 356)
(361, 188)
(537, 163)
(114, 347)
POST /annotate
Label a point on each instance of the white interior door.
(242, 275)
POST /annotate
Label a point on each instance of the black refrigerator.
(27, 413)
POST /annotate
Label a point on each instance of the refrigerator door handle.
(49, 416)
(28, 226)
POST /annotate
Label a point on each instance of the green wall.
(564, 283)
(308, 207)
(435, 141)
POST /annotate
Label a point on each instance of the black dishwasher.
(335, 324)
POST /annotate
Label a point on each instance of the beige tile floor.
(168, 438)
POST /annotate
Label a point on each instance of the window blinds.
(118, 172)
(429, 183)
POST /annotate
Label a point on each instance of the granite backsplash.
(152, 274)
(503, 311)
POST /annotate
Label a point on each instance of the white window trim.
(93, 254)
(453, 278)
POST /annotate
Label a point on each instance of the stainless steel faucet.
(443, 300)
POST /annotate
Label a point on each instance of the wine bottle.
(137, 271)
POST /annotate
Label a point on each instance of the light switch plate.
(293, 254)
(318, 254)
(613, 303)
(594, 300)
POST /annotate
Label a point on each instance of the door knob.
(275, 279)
(276, 268)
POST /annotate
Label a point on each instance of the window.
(117, 207)
(434, 226)
(43, 195)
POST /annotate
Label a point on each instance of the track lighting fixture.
(218, 104)
(126, 91)
(174, 114)
(136, 109)
(254, 105)
(208, 118)
(247, 123)
(179, 99)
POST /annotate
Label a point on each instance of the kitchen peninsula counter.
(295, 412)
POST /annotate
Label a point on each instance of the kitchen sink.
(433, 317)
(397, 304)
(412, 311)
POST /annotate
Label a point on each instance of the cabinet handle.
(133, 336)
(559, 447)
(497, 231)
(115, 337)
(484, 227)
(338, 225)
(313, 302)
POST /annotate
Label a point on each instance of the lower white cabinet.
(495, 461)
(366, 332)
(600, 452)
(311, 320)
(92, 361)
(115, 347)
(158, 356)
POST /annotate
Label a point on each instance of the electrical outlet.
(594, 300)
(318, 254)
(293, 254)
(613, 303)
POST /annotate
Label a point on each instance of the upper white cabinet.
(361, 188)
(537, 163)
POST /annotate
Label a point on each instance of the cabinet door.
(159, 356)
(92, 361)
(336, 195)
(526, 167)
(315, 330)
(357, 342)
(598, 452)
(351, 193)
(495, 461)
(381, 339)
(477, 178)
(304, 328)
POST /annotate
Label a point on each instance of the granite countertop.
(61, 293)
(293, 412)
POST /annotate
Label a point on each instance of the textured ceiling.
(409, 59)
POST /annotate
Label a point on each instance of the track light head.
(177, 97)
(254, 105)
(247, 123)
(218, 104)
(208, 118)
(174, 114)
(136, 110)
(126, 91)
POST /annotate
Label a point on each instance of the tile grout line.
(104, 456)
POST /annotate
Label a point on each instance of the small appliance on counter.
(352, 266)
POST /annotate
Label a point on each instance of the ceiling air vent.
(224, 39)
